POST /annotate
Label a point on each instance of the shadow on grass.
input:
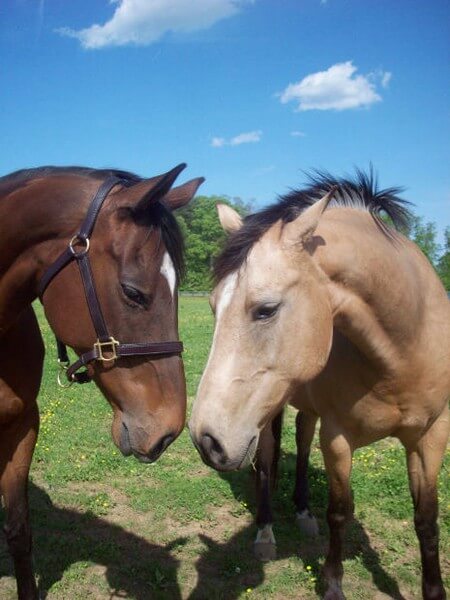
(226, 570)
(134, 568)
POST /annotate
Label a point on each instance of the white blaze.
(228, 289)
(168, 271)
(226, 295)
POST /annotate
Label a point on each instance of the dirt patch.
(221, 526)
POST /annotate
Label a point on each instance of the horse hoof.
(334, 592)
(334, 595)
(434, 592)
(265, 545)
(265, 551)
(307, 524)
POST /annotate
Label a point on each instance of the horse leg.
(266, 471)
(13, 484)
(305, 427)
(337, 455)
(21, 357)
(424, 461)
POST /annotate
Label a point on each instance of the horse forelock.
(360, 192)
(163, 219)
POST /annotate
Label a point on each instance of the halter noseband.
(106, 348)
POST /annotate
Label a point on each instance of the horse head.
(136, 259)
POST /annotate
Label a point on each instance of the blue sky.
(248, 92)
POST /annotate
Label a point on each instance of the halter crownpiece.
(106, 348)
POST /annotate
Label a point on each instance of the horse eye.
(134, 295)
(265, 311)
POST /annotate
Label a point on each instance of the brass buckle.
(63, 366)
(110, 346)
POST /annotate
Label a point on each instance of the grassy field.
(108, 527)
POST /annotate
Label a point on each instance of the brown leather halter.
(106, 348)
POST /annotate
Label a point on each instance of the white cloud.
(337, 88)
(218, 142)
(298, 134)
(385, 79)
(142, 22)
(248, 137)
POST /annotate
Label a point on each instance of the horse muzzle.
(129, 445)
(213, 452)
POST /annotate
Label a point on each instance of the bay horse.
(320, 303)
(102, 250)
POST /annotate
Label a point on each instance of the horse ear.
(229, 218)
(303, 227)
(182, 194)
(151, 190)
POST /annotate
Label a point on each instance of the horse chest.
(360, 414)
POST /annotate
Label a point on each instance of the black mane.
(360, 192)
(159, 216)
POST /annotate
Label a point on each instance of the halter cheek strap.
(106, 348)
(82, 236)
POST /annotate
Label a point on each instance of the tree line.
(204, 238)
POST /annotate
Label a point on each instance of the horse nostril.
(124, 440)
(212, 449)
(159, 448)
(167, 440)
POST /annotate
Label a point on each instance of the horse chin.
(250, 454)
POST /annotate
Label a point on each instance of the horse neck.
(37, 220)
(373, 282)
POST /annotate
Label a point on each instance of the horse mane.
(359, 192)
(159, 215)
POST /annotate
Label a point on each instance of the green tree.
(443, 264)
(424, 235)
(203, 237)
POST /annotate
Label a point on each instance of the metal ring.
(62, 384)
(79, 240)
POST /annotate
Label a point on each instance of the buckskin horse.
(320, 303)
(103, 252)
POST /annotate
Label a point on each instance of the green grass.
(105, 526)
